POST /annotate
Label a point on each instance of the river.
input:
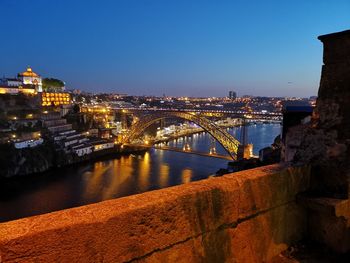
(88, 183)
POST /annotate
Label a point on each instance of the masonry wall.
(326, 144)
(249, 216)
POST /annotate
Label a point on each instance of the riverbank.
(190, 133)
(28, 161)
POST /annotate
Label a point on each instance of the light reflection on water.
(261, 135)
(126, 175)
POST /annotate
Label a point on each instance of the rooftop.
(28, 73)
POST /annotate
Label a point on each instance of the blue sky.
(178, 47)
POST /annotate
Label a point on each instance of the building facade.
(27, 82)
(232, 94)
(29, 77)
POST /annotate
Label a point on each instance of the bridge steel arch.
(228, 142)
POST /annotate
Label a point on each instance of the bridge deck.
(226, 157)
(167, 148)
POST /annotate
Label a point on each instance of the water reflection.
(144, 173)
(163, 175)
(126, 175)
(186, 176)
(93, 180)
(261, 135)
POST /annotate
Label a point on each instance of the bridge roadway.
(238, 114)
(174, 149)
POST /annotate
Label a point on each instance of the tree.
(51, 84)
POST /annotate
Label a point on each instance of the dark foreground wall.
(324, 145)
(249, 216)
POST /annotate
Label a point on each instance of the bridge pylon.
(212, 149)
(245, 150)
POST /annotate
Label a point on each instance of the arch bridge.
(228, 142)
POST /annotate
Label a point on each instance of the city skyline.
(182, 48)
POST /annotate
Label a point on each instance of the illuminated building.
(11, 82)
(55, 99)
(28, 82)
(16, 90)
(95, 109)
(232, 95)
(29, 77)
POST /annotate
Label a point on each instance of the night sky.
(178, 47)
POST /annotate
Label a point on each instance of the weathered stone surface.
(326, 144)
(329, 222)
(334, 97)
(258, 239)
(234, 218)
(336, 47)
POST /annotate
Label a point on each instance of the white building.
(82, 150)
(102, 145)
(29, 77)
(28, 82)
(28, 143)
(8, 82)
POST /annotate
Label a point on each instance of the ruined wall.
(333, 110)
(326, 145)
(249, 216)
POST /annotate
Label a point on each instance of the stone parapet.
(248, 216)
(336, 47)
(329, 222)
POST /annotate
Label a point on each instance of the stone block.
(329, 222)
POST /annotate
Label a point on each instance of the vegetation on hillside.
(52, 84)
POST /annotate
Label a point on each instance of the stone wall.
(326, 145)
(248, 216)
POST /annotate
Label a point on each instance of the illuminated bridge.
(228, 142)
(144, 117)
(276, 116)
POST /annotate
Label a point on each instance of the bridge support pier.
(245, 151)
(212, 149)
(162, 123)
